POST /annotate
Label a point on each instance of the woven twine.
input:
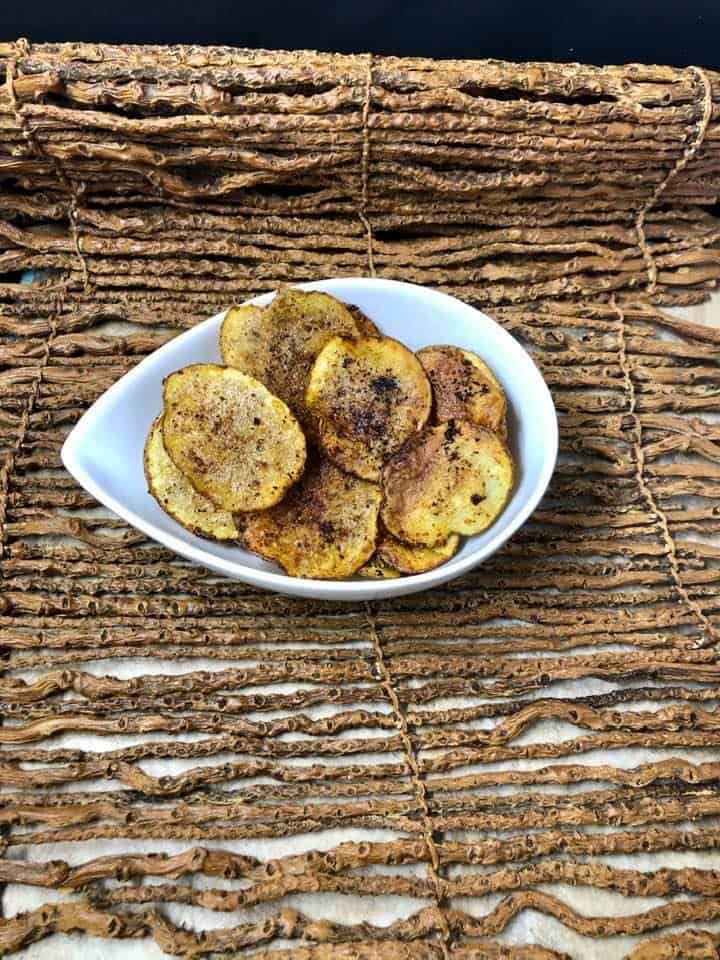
(688, 153)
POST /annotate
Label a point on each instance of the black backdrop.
(677, 32)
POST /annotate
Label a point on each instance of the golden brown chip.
(411, 558)
(365, 326)
(325, 527)
(295, 327)
(235, 442)
(377, 569)
(246, 340)
(464, 388)
(302, 323)
(455, 478)
(278, 344)
(177, 496)
(369, 396)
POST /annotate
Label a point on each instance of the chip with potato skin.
(377, 569)
(455, 478)
(393, 558)
(237, 444)
(369, 395)
(177, 496)
(464, 388)
(278, 344)
(365, 326)
(244, 340)
(413, 558)
(325, 528)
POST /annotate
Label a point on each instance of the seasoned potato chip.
(365, 326)
(278, 345)
(302, 323)
(377, 569)
(369, 396)
(325, 527)
(235, 442)
(177, 496)
(392, 557)
(246, 341)
(411, 558)
(464, 388)
(454, 478)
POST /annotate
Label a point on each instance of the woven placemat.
(522, 764)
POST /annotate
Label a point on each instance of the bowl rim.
(347, 589)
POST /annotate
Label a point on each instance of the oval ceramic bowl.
(104, 452)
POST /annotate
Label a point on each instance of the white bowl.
(104, 452)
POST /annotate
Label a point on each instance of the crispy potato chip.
(369, 396)
(278, 345)
(454, 478)
(377, 569)
(177, 496)
(464, 388)
(411, 558)
(365, 326)
(325, 527)
(302, 323)
(245, 340)
(392, 557)
(236, 443)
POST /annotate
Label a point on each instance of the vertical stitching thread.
(365, 167)
(648, 495)
(688, 153)
(417, 781)
(73, 190)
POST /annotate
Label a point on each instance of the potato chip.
(369, 396)
(324, 528)
(365, 326)
(236, 443)
(177, 496)
(454, 478)
(278, 345)
(411, 558)
(246, 341)
(464, 388)
(377, 569)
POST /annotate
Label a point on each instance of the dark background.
(677, 32)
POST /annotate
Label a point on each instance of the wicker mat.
(523, 764)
